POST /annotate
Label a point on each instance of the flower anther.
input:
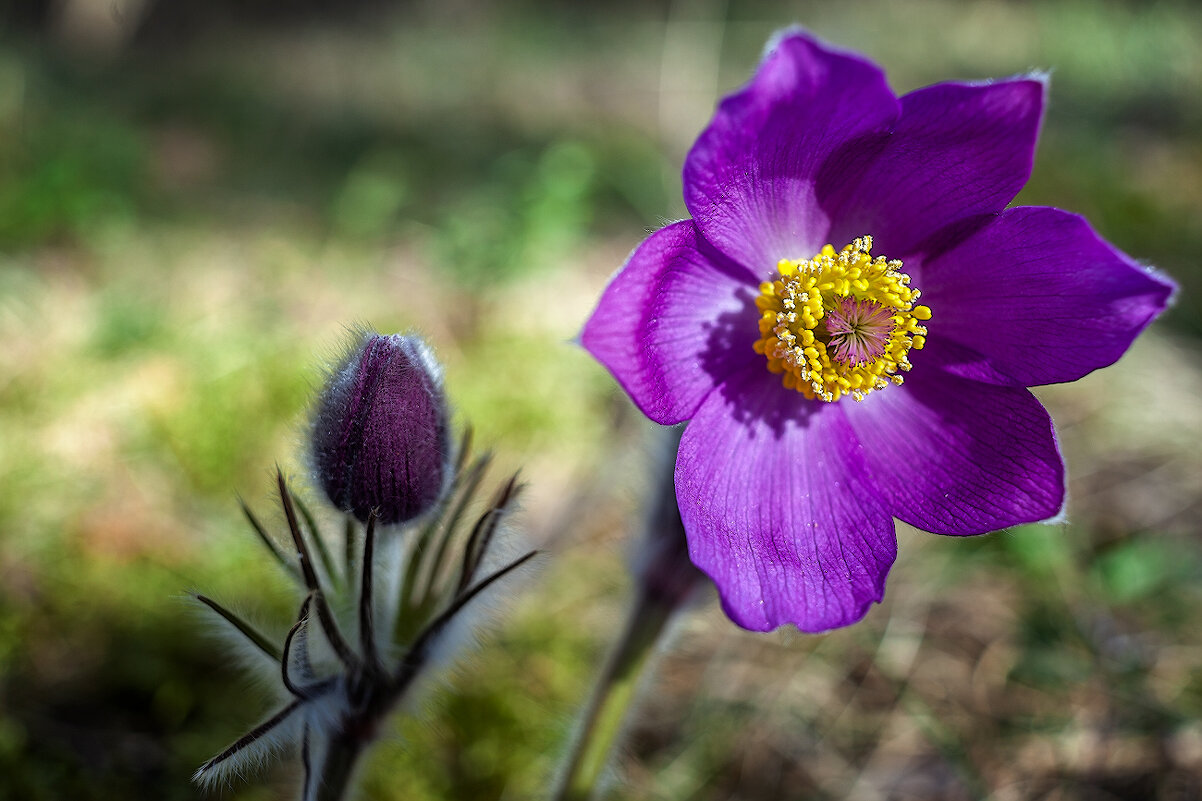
(841, 323)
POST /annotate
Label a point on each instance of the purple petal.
(1041, 296)
(674, 322)
(779, 509)
(749, 179)
(961, 361)
(958, 150)
(955, 456)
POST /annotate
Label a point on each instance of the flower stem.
(334, 776)
(612, 696)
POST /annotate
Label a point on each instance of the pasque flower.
(849, 323)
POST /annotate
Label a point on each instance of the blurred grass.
(188, 224)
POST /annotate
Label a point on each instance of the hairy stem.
(333, 777)
(615, 690)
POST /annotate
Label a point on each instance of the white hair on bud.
(254, 755)
(262, 670)
(325, 713)
(315, 717)
(392, 555)
(300, 668)
(465, 629)
(317, 749)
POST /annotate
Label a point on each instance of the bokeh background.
(197, 197)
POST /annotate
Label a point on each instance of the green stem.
(612, 696)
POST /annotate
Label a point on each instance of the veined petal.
(749, 180)
(961, 361)
(779, 509)
(1041, 296)
(674, 322)
(958, 149)
(955, 456)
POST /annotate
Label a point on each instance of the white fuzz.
(253, 755)
(314, 718)
(462, 633)
(391, 561)
(232, 644)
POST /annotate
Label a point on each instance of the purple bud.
(380, 435)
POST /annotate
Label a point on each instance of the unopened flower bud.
(380, 434)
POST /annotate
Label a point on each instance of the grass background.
(196, 199)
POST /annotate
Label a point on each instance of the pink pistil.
(859, 330)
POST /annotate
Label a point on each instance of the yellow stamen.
(798, 344)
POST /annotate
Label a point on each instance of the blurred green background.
(198, 197)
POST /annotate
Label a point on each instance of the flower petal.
(1041, 295)
(749, 179)
(955, 456)
(958, 149)
(674, 322)
(779, 509)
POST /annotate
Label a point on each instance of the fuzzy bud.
(380, 435)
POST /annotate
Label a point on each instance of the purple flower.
(823, 398)
(380, 435)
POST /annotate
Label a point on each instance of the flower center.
(841, 323)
